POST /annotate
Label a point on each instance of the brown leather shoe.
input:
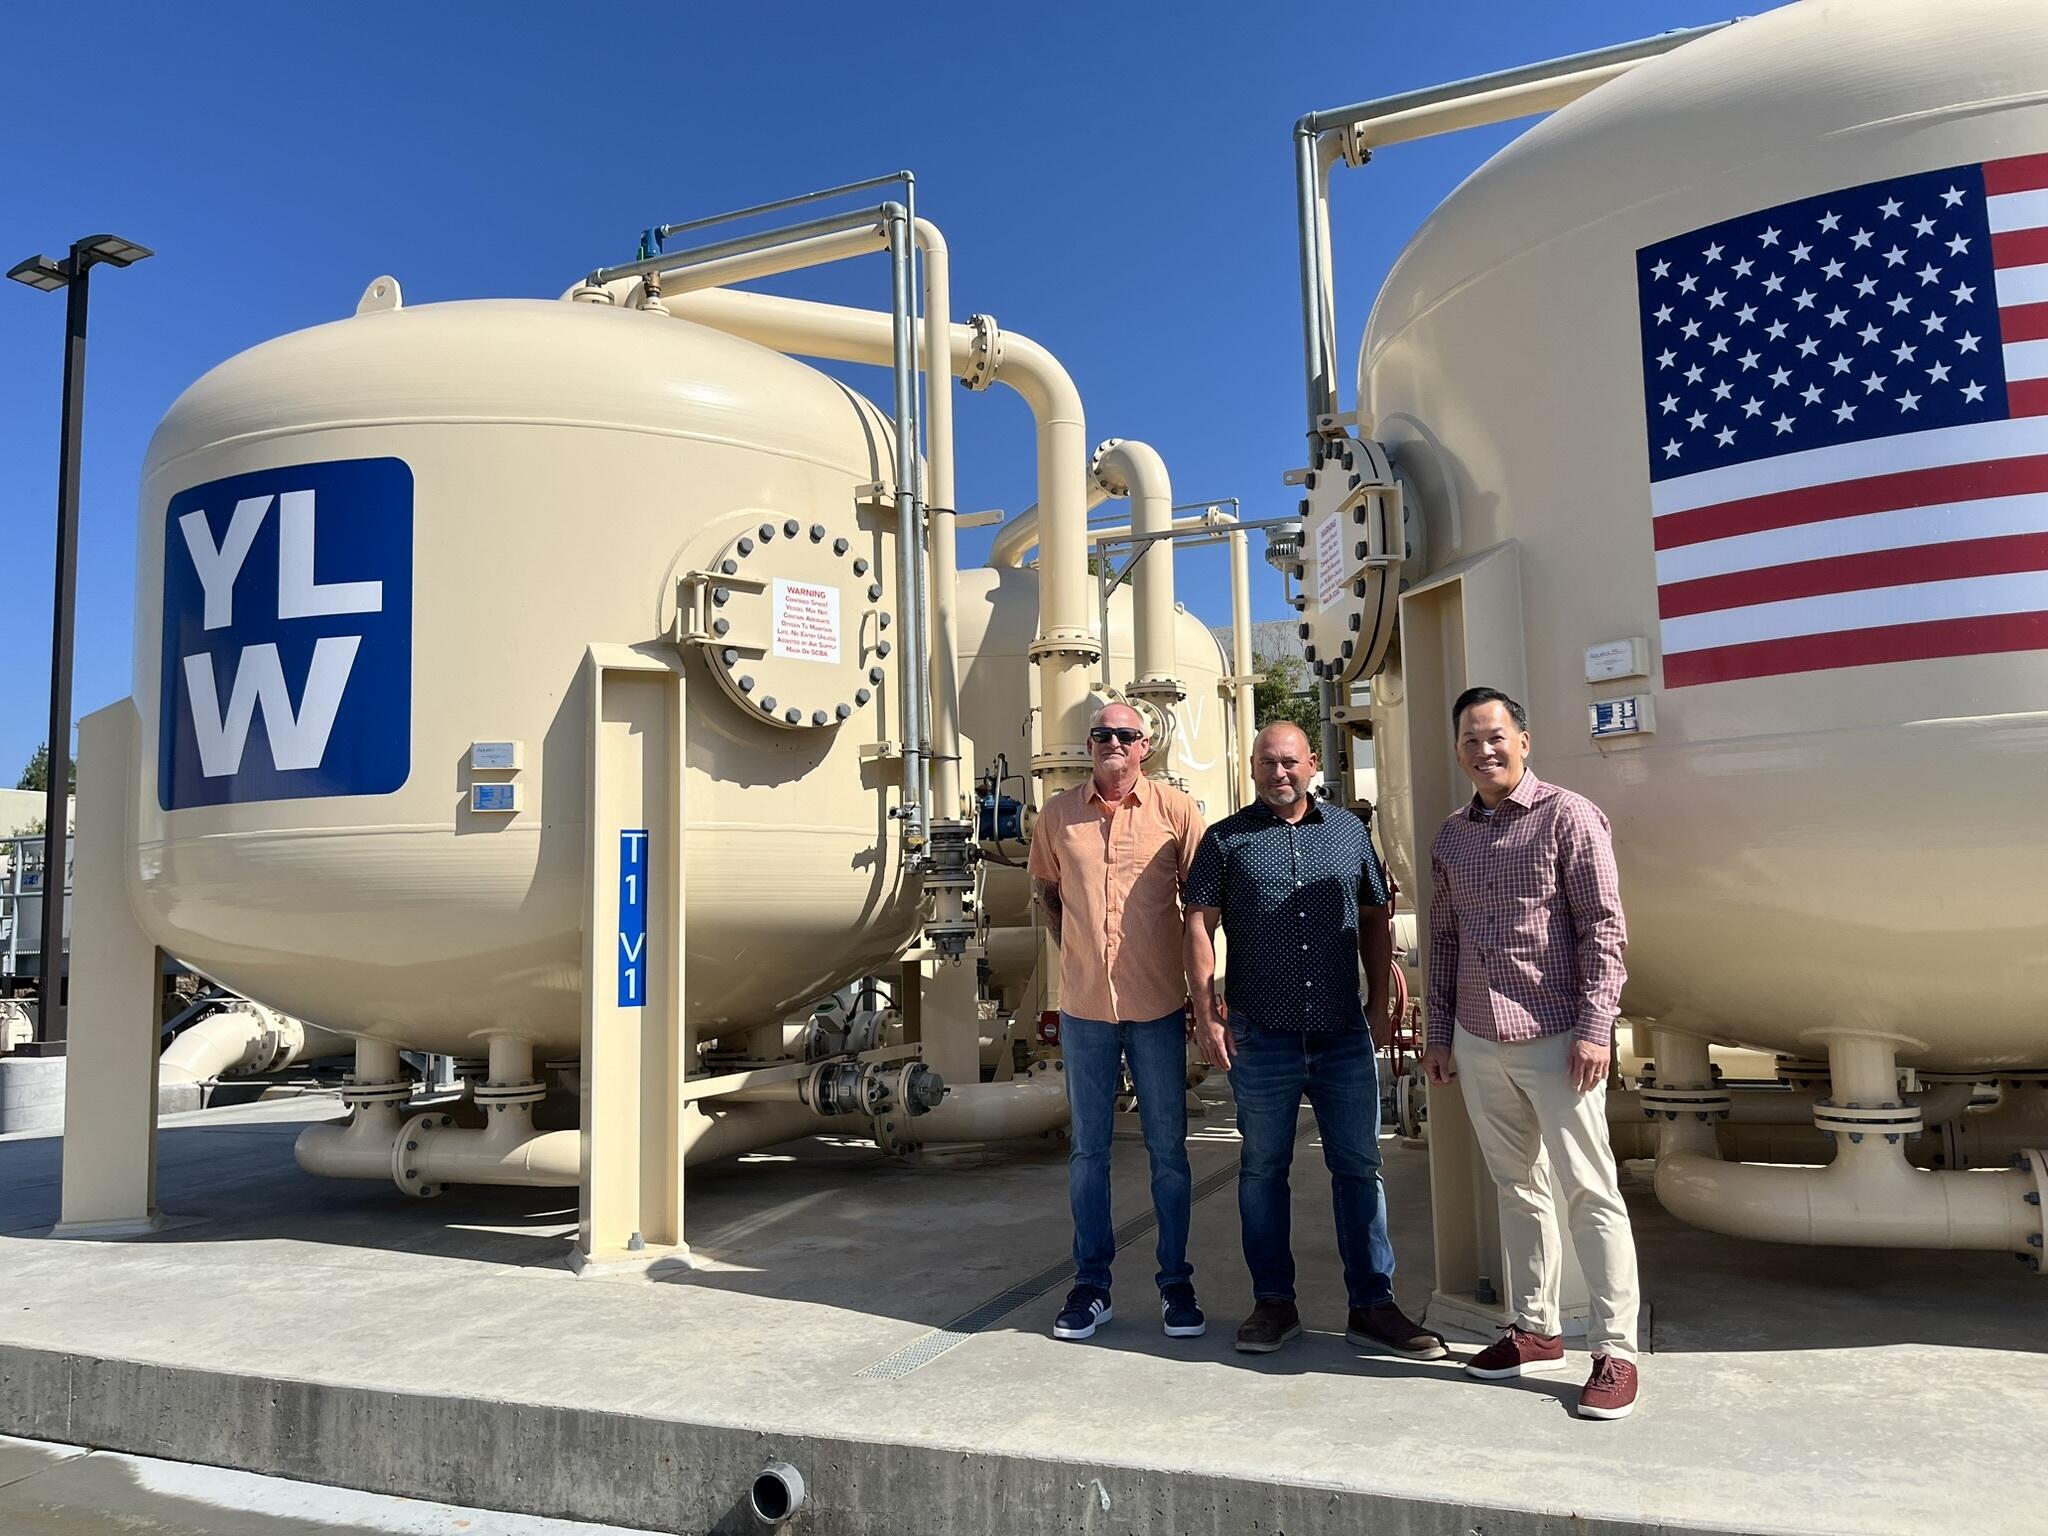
(1517, 1353)
(1385, 1326)
(1271, 1324)
(1610, 1392)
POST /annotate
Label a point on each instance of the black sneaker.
(1271, 1324)
(1181, 1313)
(1086, 1308)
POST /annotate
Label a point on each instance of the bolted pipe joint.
(777, 1494)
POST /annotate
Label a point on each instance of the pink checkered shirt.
(1525, 924)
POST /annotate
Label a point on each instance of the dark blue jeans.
(1095, 1053)
(1338, 1072)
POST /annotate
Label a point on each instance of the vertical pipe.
(1241, 657)
(50, 1028)
(1336, 774)
(1311, 211)
(909, 525)
(376, 1061)
(942, 509)
(511, 1060)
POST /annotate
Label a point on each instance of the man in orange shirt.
(1107, 861)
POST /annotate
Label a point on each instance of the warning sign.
(1329, 562)
(806, 621)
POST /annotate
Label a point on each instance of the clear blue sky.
(1115, 181)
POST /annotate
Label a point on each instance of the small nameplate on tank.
(497, 756)
(500, 798)
(1617, 658)
(1635, 715)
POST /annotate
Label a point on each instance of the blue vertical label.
(633, 919)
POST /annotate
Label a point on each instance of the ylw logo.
(298, 738)
(288, 601)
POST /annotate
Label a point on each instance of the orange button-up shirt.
(1119, 868)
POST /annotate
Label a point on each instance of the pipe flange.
(1801, 1073)
(2035, 1161)
(1062, 759)
(984, 352)
(405, 1151)
(1672, 1102)
(1109, 484)
(500, 1095)
(1893, 1117)
(1065, 642)
(1158, 689)
(353, 1094)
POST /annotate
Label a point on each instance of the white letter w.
(296, 740)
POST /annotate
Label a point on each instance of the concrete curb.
(672, 1475)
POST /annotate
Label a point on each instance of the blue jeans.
(1095, 1053)
(1338, 1072)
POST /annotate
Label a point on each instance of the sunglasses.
(1108, 733)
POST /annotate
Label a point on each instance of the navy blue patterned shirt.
(1290, 895)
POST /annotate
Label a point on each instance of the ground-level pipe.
(1870, 1195)
(246, 1037)
(1028, 1106)
(360, 1147)
(1774, 1106)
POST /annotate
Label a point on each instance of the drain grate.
(927, 1348)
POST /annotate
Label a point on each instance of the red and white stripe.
(1895, 549)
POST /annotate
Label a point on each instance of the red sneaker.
(1517, 1352)
(1610, 1392)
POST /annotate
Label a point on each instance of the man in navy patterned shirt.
(1302, 899)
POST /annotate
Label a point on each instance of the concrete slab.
(341, 1333)
(66, 1490)
(31, 1093)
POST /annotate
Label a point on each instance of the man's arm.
(1376, 953)
(1441, 1007)
(1212, 1014)
(1048, 894)
(1592, 893)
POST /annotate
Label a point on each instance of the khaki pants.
(1533, 1126)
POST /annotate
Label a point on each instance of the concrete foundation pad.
(31, 1093)
(884, 1329)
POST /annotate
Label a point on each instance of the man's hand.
(1380, 1020)
(1588, 1065)
(1437, 1065)
(1212, 1038)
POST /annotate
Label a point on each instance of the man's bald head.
(1283, 763)
(1118, 762)
(1118, 716)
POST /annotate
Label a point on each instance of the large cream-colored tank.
(1835, 822)
(368, 547)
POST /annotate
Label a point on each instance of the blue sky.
(1115, 181)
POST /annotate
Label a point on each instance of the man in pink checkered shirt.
(1525, 974)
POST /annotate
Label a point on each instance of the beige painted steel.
(110, 1083)
(247, 1037)
(1066, 646)
(1761, 827)
(1135, 471)
(595, 456)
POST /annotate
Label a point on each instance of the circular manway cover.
(799, 633)
(1351, 553)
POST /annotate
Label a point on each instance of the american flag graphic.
(1847, 403)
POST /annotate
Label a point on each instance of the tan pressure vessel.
(1721, 395)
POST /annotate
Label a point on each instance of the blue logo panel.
(287, 649)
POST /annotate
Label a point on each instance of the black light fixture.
(71, 274)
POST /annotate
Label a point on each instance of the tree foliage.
(1285, 691)
(37, 774)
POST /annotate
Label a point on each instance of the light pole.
(73, 274)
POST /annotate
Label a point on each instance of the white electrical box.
(498, 756)
(1617, 658)
(1635, 715)
(500, 799)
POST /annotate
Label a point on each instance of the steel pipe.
(1028, 1106)
(1870, 1195)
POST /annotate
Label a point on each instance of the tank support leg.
(116, 973)
(635, 1036)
